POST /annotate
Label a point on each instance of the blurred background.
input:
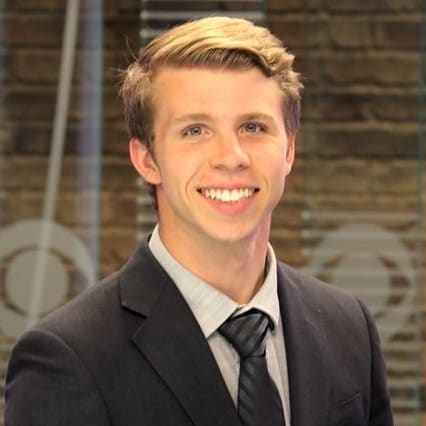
(72, 209)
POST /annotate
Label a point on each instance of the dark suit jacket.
(129, 352)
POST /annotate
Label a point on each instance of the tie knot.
(247, 332)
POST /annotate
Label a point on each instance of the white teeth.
(226, 195)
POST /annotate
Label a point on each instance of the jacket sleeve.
(48, 385)
(380, 404)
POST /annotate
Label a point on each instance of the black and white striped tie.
(259, 402)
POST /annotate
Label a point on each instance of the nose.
(228, 153)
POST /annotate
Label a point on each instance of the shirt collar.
(210, 306)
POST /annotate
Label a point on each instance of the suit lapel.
(307, 354)
(171, 340)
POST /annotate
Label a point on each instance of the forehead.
(213, 85)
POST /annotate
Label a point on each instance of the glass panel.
(50, 121)
(363, 142)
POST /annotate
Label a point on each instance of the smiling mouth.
(228, 195)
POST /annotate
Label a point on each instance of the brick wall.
(357, 150)
(358, 162)
(32, 39)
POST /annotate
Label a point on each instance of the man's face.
(220, 156)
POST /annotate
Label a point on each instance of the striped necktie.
(259, 402)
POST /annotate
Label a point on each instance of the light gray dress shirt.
(211, 308)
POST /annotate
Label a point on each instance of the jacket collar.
(171, 340)
(307, 352)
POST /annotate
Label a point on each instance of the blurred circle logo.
(64, 257)
(372, 264)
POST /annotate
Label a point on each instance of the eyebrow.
(192, 117)
(206, 117)
(257, 116)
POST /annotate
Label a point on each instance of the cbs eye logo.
(372, 264)
(67, 265)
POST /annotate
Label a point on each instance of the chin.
(231, 235)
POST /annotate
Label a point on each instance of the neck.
(237, 269)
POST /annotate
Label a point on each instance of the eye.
(253, 128)
(193, 131)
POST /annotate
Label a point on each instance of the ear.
(144, 162)
(290, 153)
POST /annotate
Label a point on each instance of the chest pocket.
(348, 413)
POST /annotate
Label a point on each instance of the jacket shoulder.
(329, 301)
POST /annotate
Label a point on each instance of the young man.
(203, 326)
